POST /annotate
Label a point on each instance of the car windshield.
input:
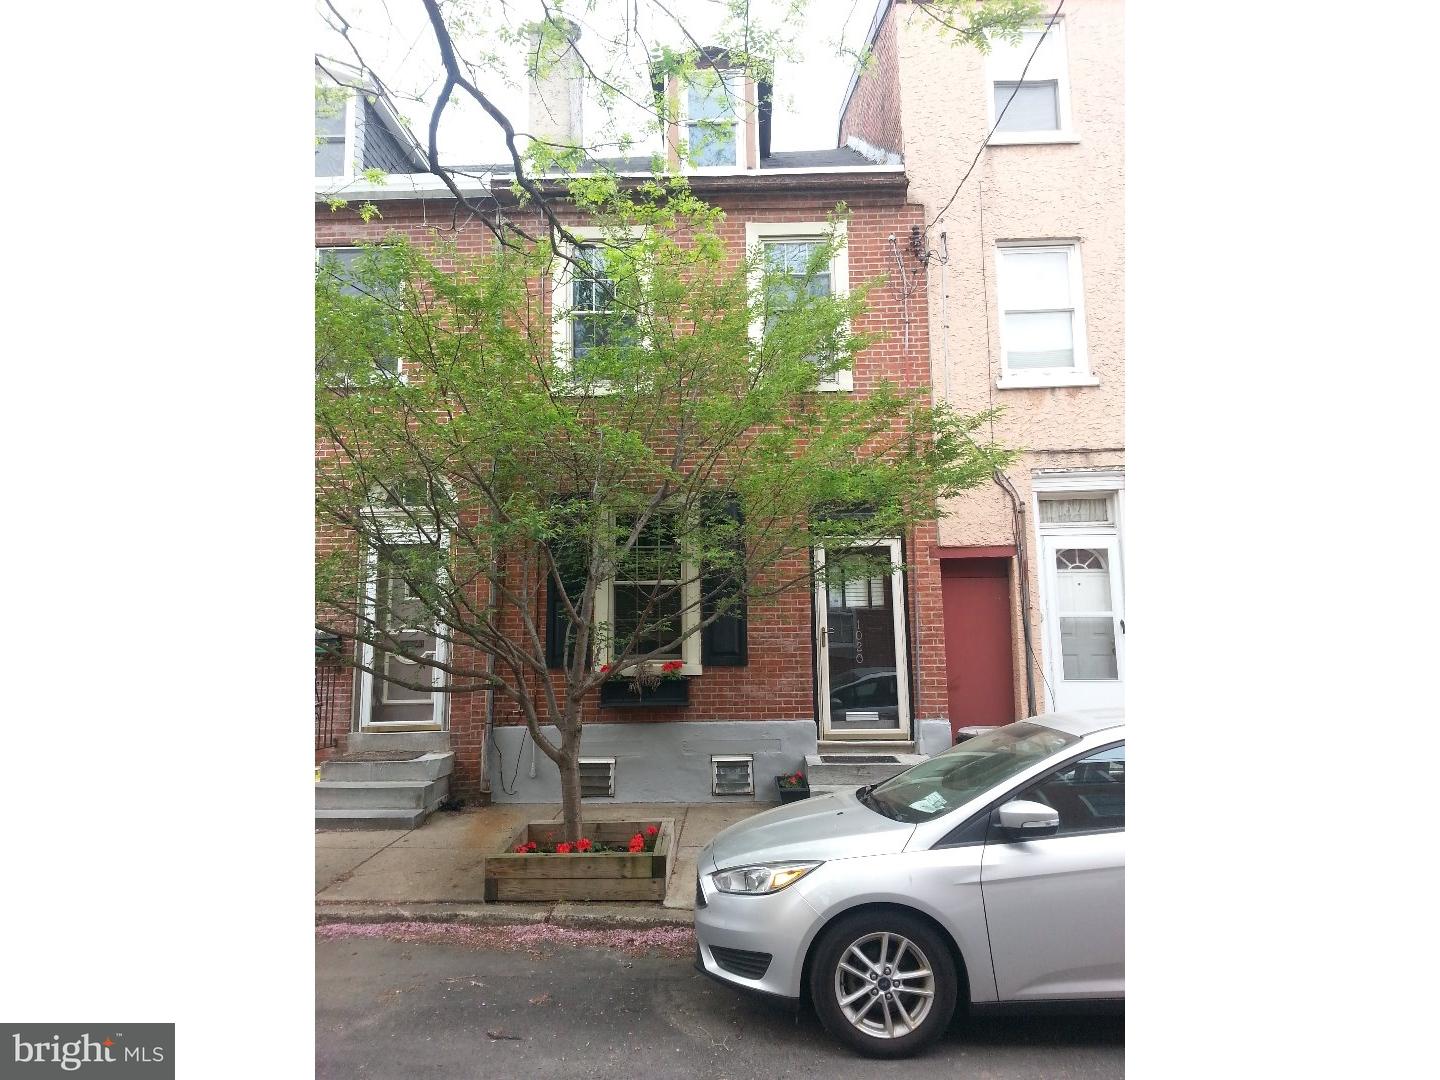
(963, 772)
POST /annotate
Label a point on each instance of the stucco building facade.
(1025, 274)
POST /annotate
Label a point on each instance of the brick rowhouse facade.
(778, 682)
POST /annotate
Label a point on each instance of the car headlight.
(761, 878)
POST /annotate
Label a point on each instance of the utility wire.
(986, 142)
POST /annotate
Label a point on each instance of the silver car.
(991, 875)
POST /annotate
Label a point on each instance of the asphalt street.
(448, 1006)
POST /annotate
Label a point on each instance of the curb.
(569, 915)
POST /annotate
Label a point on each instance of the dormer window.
(712, 128)
(332, 127)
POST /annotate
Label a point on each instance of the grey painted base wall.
(668, 762)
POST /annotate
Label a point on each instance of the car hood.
(833, 826)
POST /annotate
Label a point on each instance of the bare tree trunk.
(570, 780)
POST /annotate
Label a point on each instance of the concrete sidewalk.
(438, 870)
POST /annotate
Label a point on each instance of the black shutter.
(725, 642)
(571, 562)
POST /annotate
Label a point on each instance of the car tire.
(916, 1013)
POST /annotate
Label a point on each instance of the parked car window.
(1089, 793)
(964, 772)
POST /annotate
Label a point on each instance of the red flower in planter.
(604, 668)
(672, 665)
(531, 847)
(562, 849)
(583, 844)
(522, 849)
(637, 844)
(651, 831)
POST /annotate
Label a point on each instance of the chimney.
(556, 83)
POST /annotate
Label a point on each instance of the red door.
(979, 672)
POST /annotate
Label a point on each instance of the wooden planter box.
(590, 876)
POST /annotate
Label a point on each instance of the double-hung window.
(788, 254)
(713, 131)
(1042, 317)
(653, 597)
(1037, 108)
(347, 266)
(588, 304)
(332, 126)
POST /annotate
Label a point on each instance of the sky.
(395, 39)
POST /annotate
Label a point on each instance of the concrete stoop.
(848, 766)
(385, 794)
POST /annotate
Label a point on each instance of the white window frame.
(351, 147)
(1079, 374)
(690, 648)
(731, 759)
(610, 763)
(562, 275)
(758, 232)
(1007, 67)
(397, 530)
(742, 124)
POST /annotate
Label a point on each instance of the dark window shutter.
(557, 621)
(725, 642)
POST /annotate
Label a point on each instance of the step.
(867, 746)
(854, 766)
(427, 767)
(436, 741)
(379, 794)
(386, 818)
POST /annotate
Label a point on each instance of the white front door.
(1084, 620)
(385, 705)
(862, 669)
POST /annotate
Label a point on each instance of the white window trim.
(731, 759)
(561, 275)
(756, 232)
(1079, 374)
(742, 126)
(351, 144)
(1065, 133)
(398, 531)
(689, 619)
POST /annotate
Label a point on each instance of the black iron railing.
(327, 677)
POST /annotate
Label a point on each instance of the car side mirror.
(1025, 820)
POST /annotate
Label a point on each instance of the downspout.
(1022, 561)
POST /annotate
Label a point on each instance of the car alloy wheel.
(884, 985)
(884, 981)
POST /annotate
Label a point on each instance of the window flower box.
(620, 693)
(537, 866)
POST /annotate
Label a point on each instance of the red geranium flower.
(672, 665)
(651, 831)
(583, 844)
(604, 668)
(522, 849)
(562, 849)
(531, 847)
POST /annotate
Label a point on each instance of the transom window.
(712, 128)
(1037, 108)
(1075, 511)
(1042, 331)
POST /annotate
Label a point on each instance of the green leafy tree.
(674, 439)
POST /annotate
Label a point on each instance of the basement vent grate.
(859, 759)
(732, 775)
(597, 778)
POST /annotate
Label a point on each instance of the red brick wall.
(778, 682)
(873, 111)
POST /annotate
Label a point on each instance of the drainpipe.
(1022, 561)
